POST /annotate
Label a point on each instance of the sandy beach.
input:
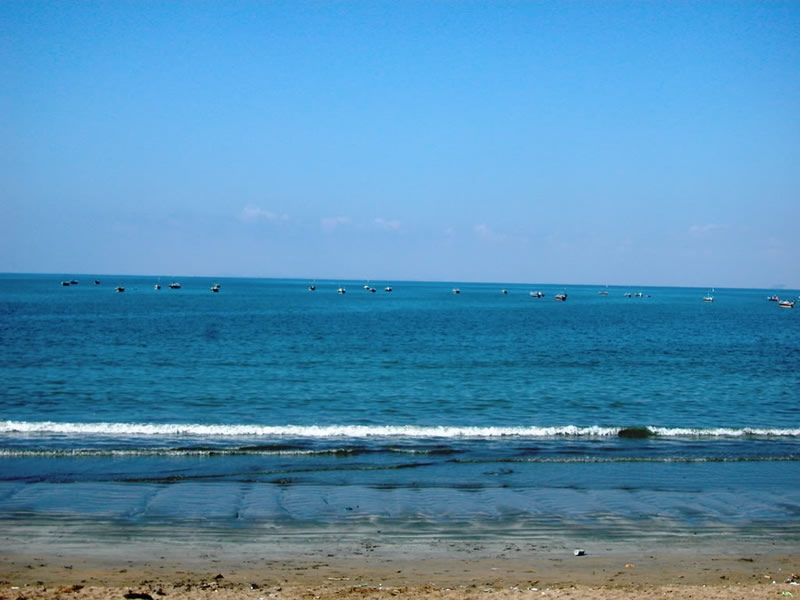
(36, 563)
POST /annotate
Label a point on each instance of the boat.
(341, 290)
(537, 294)
(215, 288)
(388, 288)
(709, 297)
(786, 303)
(456, 291)
(119, 288)
(311, 287)
(504, 292)
(157, 286)
(174, 285)
(775, 298)
(97, 282)
(65, 283)
(562, 297)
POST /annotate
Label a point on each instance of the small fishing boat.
(786, 303)
(562, 297)
(119, 289)
(174, 285)
(536, 294)
(215, 288)
(456, 291)
(775, 298)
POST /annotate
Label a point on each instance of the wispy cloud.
(254, 213)
(333, 223)
(698, 231)
(485, 232)
(386, 224)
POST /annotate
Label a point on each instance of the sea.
(277, 406)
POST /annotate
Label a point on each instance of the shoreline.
(40, 561)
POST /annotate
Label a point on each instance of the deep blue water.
(270, 403)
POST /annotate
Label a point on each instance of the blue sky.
(635, 143)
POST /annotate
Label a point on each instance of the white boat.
(341, 290)
(174, 285)
(537, 294)
(786, 303)
(157, 286)
(215, 288)
(562, 297)
(456, 291)
(388, 288)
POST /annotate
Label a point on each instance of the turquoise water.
(267, 403)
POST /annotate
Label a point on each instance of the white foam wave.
(362, 431)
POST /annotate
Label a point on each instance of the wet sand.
(39, 562)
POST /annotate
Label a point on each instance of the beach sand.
(61, 563)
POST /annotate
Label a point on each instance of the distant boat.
(215, 288)
(503, 291)
(536, 294)
(456, 291)
(119, 288)
(157, 286)
(708, 298)
(97, 282)
(388, 288)
(174, 285)
(311, 287)
(341, 290)
(603, 292)
(786, 303)
(561, 297)
(65, 283)
(774, 298)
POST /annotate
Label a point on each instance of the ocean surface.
(267, 406)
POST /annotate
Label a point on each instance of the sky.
(609, 143)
